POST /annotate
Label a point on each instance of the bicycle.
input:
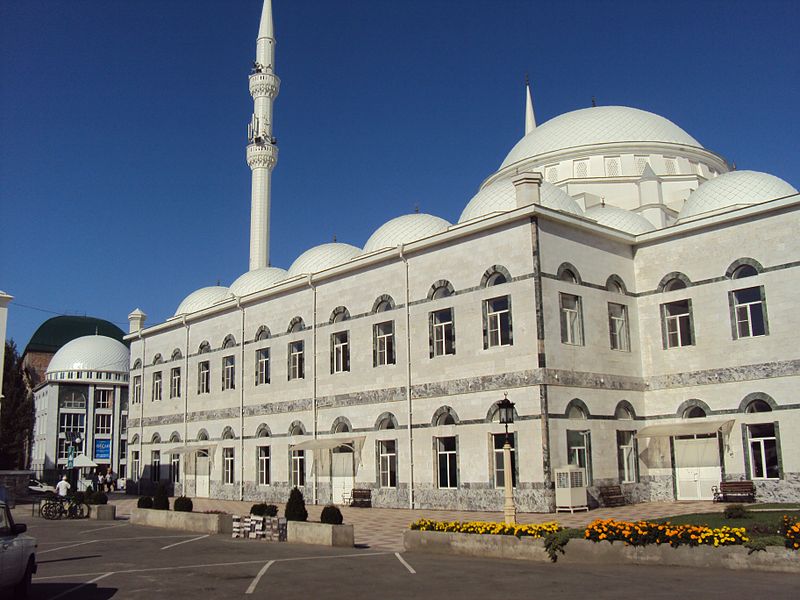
(57, 508)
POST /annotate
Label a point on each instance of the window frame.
(493, 323)
(297, 470)
(157, 391)
(296, 359)
(383, 345)
(751, 442)
(137, 389)
(175, 382)
(229, 372)
(440, 343)
(175, 468)
(619, 337)
(263, 465)
(387, 464)
(204, 377)
(586, 434)
(735, 305)
(155, 465)
(572, 332)
(667, 320)
(340, 352)
(107, 424)
(450, 458)
(228, 465)
(627, 450)
(263, 366)
(498, 458)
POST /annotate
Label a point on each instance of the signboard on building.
(102, 449)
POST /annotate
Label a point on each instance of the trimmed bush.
(264, 510)
(331, 515)
(296, 507)
(97, 498)
(182, 504)
(145, 502)
(735, 511)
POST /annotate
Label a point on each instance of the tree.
(17, 413)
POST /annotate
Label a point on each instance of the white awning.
(330, 443)
(82, 461)
(690, 427)
(191, 449)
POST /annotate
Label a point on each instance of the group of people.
(104, 483)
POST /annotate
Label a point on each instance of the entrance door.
(202, 477)
(341, 474)
(697, 467)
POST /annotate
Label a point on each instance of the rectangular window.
(749, 312)
(498, 322)
(102, 424)
(123, 449)
(155, 465)
(123, 424)
(677, 324)
(137, 389)
(71, 422)
(340, 352)
(175, 468)
(263, 465)
(262, 366)
(498, 441)
(298, 468)
(156, 386)
(103, 398)
(135, 465)
(443, 334)
(63, 448)
(764, 462)
(387, 457)
(175, 382)
(296, 360)
(228, 372)
(571, 319)
(228, 465)
(618, 335)
(627, 462)
(579, 452)
(72, 396)
(447, 462)
(204, 377)
(383, 336)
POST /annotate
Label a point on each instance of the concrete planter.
(102, 512)
(321, 534)
(583, 551)
(185, 521)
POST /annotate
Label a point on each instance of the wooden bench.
(611, 495)
(735, 491)
(361, 498)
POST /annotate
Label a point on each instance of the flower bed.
(539, 530)
(642, 533)
(791, 531)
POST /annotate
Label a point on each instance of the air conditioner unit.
(571, 489)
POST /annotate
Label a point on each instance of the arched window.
(263, 431)
(758, 406)
(339, 314)
(757, 402)
(229, 341)
(297, 428)
(383, 303)
(744, 267)
(137, 364)
(156, 439)
(577, 409)
(386, 421)
(444, 415)
(674, 281)
(202, 435)
(615, 285)
(296, 325)
(135, 439)
(624, 411)
(495, 275)
(493, 414)
(176, 354)
(694, 412)
(175, 437)
(440, 289)
(341, 425)
(157, 359)
(204, 347)
(567, 272)
(227, 434)
(262, 334)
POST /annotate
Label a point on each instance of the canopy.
(690, 427)
(191, 449)
(330, 443)
(82, 461)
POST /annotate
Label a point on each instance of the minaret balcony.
(262, 155)
(264, 84)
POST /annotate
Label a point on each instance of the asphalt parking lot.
(98, 560)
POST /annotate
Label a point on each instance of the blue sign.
(102, 449)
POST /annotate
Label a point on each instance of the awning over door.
(691, 427)
(191, 449)
(323, 448)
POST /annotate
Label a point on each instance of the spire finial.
(594, 102)
(530, 119)
(334, 238)
(265, 28)
(416, 208)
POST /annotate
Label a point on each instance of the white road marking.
(254, 583)
(65, 547)
(185, 541)
(405, 564)
(102, 528)
(114, 539)
(81, 585)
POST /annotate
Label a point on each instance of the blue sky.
(123, 182)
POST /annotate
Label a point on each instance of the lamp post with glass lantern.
(505, 409)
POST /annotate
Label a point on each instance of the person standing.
(63, 487)
(109, 481)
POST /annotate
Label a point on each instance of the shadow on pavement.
(56, 560)
(85, 592)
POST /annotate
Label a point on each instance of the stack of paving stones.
(271, 529)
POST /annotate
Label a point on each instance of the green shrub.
(161, 498)
(296, 507)
(97, 498)
(145, 502)
(182, 504)
(554, 543)
(735, 511)
(331, 515)
(264, 510)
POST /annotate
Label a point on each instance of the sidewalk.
(383, 527)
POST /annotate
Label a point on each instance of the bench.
(361, 498)
(611, 495)
(735, 491)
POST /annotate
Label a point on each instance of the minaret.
(530, 120)
(262, 151)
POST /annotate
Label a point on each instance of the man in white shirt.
(63, 487)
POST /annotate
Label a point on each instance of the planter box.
(583, 552)
(321, 534)
(185, 521)
(102, 512)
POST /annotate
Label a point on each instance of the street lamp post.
(506, 411)
(74, 439)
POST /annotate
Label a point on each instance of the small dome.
(91, 353)
(619, 218)
(598, 125)
(735, 188)
(405, 229)
(202, 298)
(257, 280)
(500, 196)
(324, 256)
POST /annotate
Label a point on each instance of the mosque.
(628, 290)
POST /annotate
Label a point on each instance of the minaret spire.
(530, 119)
(262, 149)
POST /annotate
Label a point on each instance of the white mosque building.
(633, 295)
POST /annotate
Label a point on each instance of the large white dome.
(735, 188)
(324, 256)
(91, 353)
(405, 229)
(202, 298)
(257, 280)
(598, 125)
(500, 196)
(619, 218)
